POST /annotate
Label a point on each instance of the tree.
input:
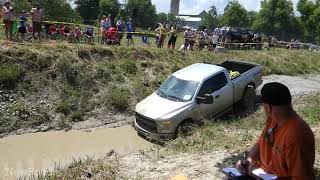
(310, 16)
(162, 17)
(88, 9)
(252, 16)
(57, 10)
(235, 15)
(21, 5)
(275, 18)
(210, 20)
(142, 12)
(109, 7)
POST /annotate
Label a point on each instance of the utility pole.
(174, 7)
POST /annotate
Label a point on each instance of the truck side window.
(213, 84)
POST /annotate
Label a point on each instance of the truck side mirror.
(207, 99)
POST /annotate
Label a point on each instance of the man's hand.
(243, 166)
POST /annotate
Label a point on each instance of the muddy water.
(25, 154)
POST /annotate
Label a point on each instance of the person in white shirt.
(36, 15)
(8, 15)
(215, 40)
(187, 35)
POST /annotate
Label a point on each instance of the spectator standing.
(187, 35)
(215, 40)
(162, 34)
(129, 26)
(7, 11)
(202, 39)
(89, 34)
(192, 38)
(120, 27)
(37, 16)
(104, 26)
(22, 26)
(172, 38)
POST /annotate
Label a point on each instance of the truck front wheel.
(185, 128)
(248, 98)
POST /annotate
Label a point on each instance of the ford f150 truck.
(199, 91)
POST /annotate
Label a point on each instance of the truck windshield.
(178, 89)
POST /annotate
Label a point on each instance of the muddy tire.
(186, 128)
(248, 98)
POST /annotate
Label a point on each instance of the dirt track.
(298, 85)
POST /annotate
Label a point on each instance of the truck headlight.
(165, 125)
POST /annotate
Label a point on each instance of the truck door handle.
(217, 96)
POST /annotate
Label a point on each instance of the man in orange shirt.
(286, 146)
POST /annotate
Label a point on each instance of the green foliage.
(10, 74)
(67, 69)
(310, 15)
(143, 12)
(63, 107)
(76, 115)
(109, 7)
(129, 67)
(169, 19)
(57, 10)
(275, 17)
(117, 98)
(87, 9)
(21, 5)
(235, 15)
(210, 20)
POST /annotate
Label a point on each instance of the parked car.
(197, 92)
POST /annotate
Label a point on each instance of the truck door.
(221, 91)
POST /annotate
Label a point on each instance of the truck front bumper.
(153, 136)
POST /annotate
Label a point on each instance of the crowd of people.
(31, 25)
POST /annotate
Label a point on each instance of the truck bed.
(241, 67)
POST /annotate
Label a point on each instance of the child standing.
(22, 26)
(145, 38)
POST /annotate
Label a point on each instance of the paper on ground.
(233, 171)
(262, 174)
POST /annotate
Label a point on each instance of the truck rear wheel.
(248, 98)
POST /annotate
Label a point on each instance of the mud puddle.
(25, 154)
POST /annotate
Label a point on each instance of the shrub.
(76, 115)
(129, 67)
(67, 69)
(103, 73)
(63, 107)
(118, 98)
(10, 75)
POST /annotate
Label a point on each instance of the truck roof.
(197, 72)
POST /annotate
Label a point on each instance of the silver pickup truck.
(197, 92)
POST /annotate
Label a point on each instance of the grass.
(10, 74)
(103, 168)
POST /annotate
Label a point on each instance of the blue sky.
(196, 6)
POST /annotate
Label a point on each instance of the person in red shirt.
(286, 146)
(53, 31)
